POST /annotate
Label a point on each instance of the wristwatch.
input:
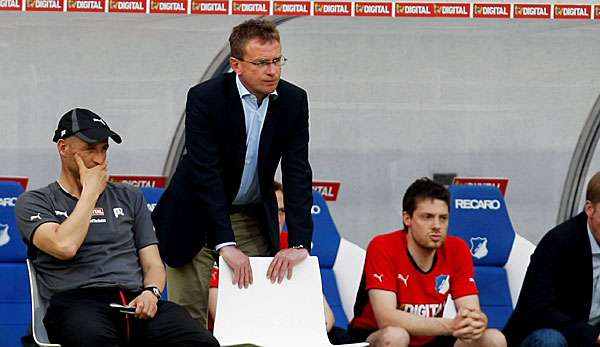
(154, 291)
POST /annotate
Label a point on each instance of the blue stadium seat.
(340, 261)
(478, 215)
(152, 196)
(15, 300)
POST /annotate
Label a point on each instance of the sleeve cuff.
(221, 245)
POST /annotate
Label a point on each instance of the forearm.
(65, 240)
(154, 276)
(414, 324)
(152, 267)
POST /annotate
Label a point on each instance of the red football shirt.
(388, 266)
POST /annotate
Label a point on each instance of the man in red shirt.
(408, 276)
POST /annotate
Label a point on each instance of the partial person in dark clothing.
(559, 304)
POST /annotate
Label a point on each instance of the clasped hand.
(469, 324)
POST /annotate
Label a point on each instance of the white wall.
(134, 70)
(396, 99)
(391, 99)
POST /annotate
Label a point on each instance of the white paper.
(287, 314)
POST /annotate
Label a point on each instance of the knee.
(545, 338)
(390, 337)
(493, 338)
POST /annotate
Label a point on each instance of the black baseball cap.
(84, 124)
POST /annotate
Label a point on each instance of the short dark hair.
(592, 193)
(421, 189)
(277, 186)
(261, 29)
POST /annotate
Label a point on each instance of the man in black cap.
(93, 244)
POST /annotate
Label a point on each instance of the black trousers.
(83, 317)
(338, 336)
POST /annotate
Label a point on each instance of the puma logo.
(98, 120)
(404, 279)
(379, 277)
(61, 213)
(36, 217)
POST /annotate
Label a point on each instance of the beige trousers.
(188, 285)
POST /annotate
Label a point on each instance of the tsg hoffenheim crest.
(479, 247)
(442, 284)
(4, 237)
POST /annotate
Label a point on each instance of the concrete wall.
(391, 99)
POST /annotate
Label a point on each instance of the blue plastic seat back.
(494, 294)
(478, 215)
(331, 292)
(326, 238)
(12, 248)
(15, 299)
(152, 195)
(326, 242)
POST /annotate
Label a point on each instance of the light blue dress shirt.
(254, 115)
(255, 118)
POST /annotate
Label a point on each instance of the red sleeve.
(463, 279)
(214, 277)
(380, 267)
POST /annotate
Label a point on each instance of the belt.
(248, 208)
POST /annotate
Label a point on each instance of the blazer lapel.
(235, 115)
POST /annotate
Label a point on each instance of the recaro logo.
(10, 202)
(474, 204)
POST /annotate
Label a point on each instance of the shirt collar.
(244, 91)
(593, 242)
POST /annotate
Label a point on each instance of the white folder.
(287, 314)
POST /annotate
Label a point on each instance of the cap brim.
(96, 135)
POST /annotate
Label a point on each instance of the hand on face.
(93, 179)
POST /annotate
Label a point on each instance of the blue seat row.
(15, 307)
(479, 216)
